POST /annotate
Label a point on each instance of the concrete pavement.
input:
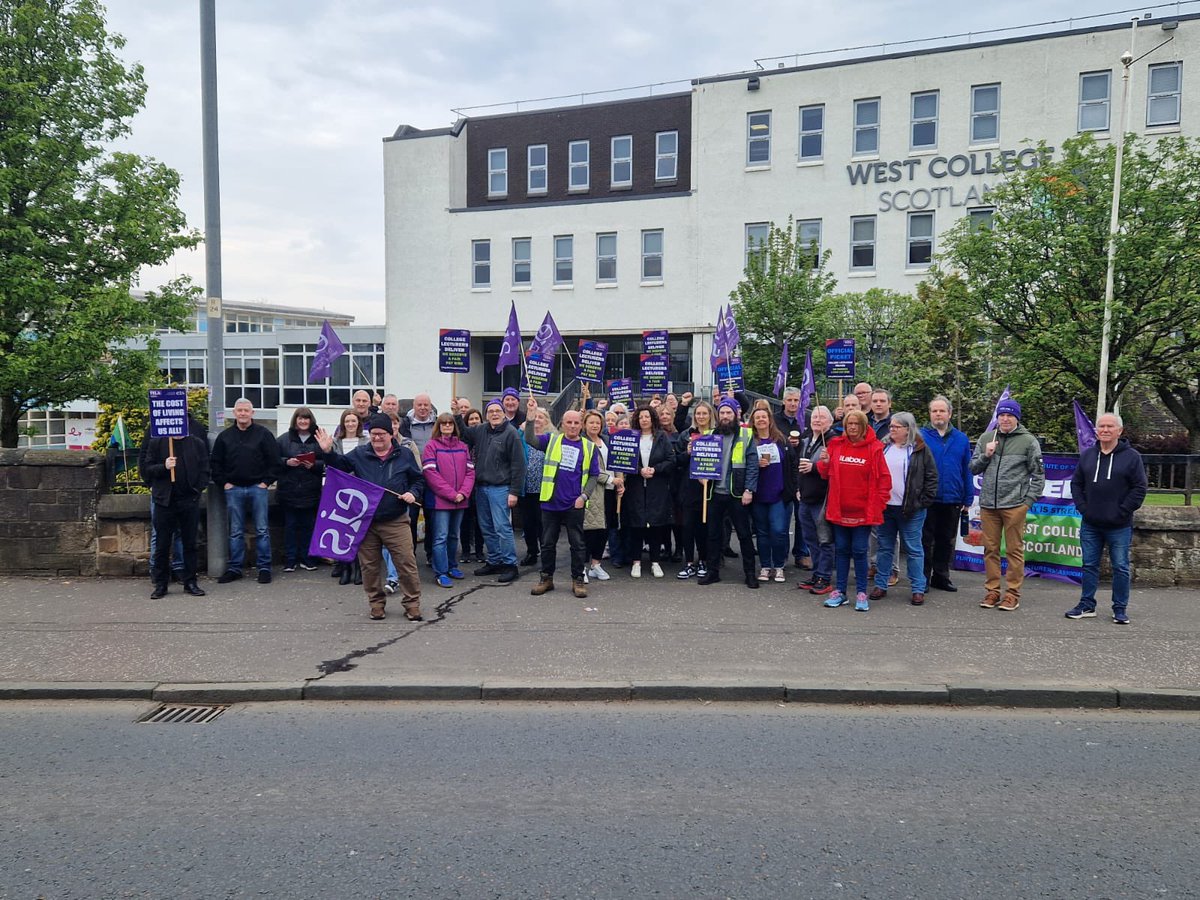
(303, 636)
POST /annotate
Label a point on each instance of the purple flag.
(995, 412)
(781, 374)
(347, 506)
(808, 386)
(719, 351)
(547, 341)
(732, 336)
(510, 350)
(1085, 431)
(329, 348)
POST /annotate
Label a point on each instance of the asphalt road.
(621, 800)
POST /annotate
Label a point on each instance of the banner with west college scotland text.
(1051, 529)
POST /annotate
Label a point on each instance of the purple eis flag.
(1085, 430)
(732, 336)
(1004, 395)
(329, 348)
(781, 374)
(510, 350)
(548, 339)
(808, 386)
(347, 506)
(719, 350)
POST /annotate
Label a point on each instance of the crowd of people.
(828, 490)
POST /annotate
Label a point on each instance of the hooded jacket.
(1013, 475)
(952, 455)
(1109, 487)
(859, 481)
(448, 471)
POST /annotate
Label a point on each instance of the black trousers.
(726, 508)
(939, 537)
(554, 521)
(531, 521)
(183, 518)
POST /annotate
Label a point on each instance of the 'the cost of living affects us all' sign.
(454, 350)
(168, 413)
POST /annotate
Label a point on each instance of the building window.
(1162, 99)
(652, 255)
(758, 138)
(48, 428)
(578, 154)
(866, 127)
(606, 258)
(253, 374)
(808, 239)
(985, 113)
(920, 240)
(522, 258)
(564, 259)
(360, 367)
(980, 217)
(756, 241)
(184, 367)
(248, 323)
(498, 172)
(537, 169)
(862, 243)
(1094, 101)
(812, 132)
(666, 156)
(481, 264)
(622, 162)
(924, 120)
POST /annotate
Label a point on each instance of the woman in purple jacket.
(450, 477)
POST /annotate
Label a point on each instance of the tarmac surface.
(305, 637)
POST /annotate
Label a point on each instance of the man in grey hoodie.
(1009, 459)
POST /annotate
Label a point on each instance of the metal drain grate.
(183, 715)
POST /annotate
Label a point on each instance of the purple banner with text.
(347, 506)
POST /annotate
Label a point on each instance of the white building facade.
(640, 214)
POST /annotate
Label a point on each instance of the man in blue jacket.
(1109, 485)
(393, 467)
(951, 451)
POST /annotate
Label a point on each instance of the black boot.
(357, 572)
(336, 570)
(347, 574)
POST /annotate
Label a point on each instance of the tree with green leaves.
(776, 301)
(78, 220)
(1037, 272)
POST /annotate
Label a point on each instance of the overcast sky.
(309, 88)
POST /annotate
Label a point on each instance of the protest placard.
(168, 413)
(454, 350)
(590, 364)
(839, 358)
(706, 457)
(620, 390)
(729, 376)
(537, 373)
(656, 343)
(623, 451)
(655, 368)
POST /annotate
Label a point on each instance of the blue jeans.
(822, 554)
(237, 497)
(496, 524)
(389, 565)
(909, 530)
(851, 541)
(1092, 540)
(446, 523)
(771, 521)
(800, 545)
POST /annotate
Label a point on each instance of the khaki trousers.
(396, 535)
(1011, 524)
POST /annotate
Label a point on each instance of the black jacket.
(191, 467)
(244, 458)
(1109, 487)
(499, 456)
(920, 487)
(813, 488)
(299, 488)
(649, 502)
(398, 472)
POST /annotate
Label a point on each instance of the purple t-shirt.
(568, 480)
(770, 479)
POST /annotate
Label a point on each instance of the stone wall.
(50, 504)
(1166, 546)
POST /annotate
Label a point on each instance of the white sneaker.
(598, 573)
(656, 570)
(779, 575)
(585, 577)
(635, 571)
(764, 574)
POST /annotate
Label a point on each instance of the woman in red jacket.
(859, 486)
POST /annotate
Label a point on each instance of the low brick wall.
(50, 502)
(1166, 546)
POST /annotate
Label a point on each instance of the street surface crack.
(348, 662)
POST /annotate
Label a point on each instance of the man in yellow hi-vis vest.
(568, 481)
